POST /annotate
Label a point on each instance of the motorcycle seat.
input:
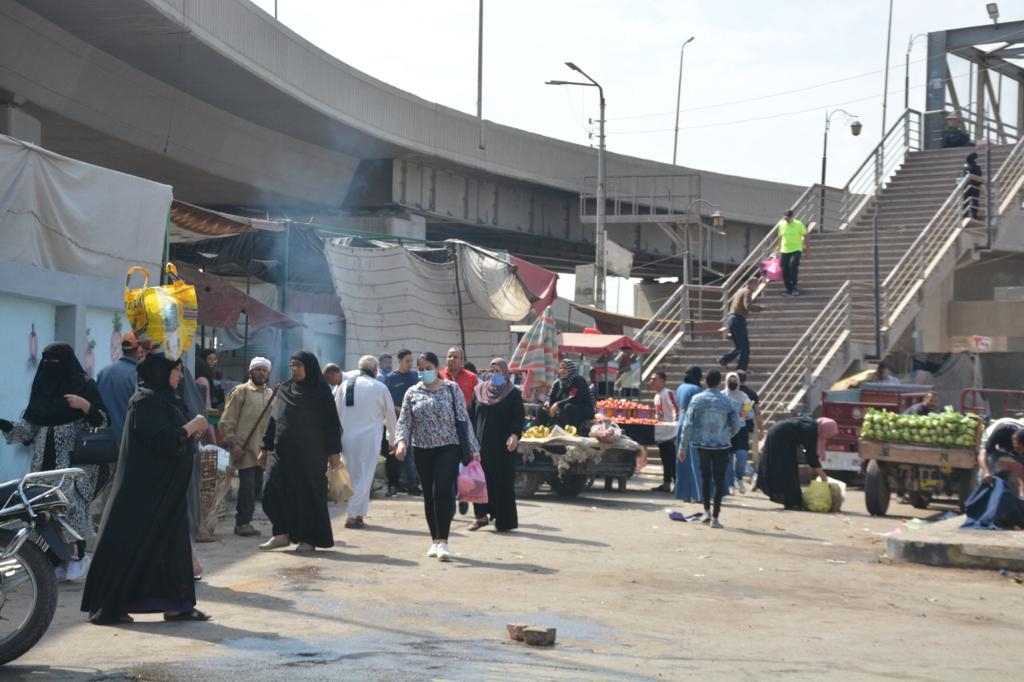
(9, 493)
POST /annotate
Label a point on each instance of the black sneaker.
(463, 508)
(391, 492)
(415, 491)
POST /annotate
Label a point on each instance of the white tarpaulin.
(61, 214)
(393, 298)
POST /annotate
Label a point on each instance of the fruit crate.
(953, 457)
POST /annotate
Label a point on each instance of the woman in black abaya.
(64, 402)
(142, 562)
(302, 440)
(497, 414)
(778, 474)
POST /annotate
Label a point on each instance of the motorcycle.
(32, 523)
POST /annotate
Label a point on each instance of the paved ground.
(633, 595)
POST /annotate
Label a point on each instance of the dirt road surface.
(633, 595)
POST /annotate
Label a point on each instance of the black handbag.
(95, 446)
(463, 430)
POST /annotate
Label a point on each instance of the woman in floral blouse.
(427, 426)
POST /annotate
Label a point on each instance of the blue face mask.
(428, 376)
(497, 380)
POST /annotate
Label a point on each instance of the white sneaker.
(442, 552)
(78, 569)
(432, 552)
(742, 488)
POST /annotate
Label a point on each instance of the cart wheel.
(527, 482)
(622, 484)
(919, 500)
(876, 489)
(568, 485)
(966, 485)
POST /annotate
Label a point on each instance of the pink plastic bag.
(472, 485)
(771, 269)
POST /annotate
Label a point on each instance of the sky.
(758, 78)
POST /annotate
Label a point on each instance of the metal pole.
(988, 196)
(284, 296)
(906, 76)
(824, 162)
(885, 91)
(679, 95)
(480, 75)
(601, 265)
(275, 9)
(875, 265)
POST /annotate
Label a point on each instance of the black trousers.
(971, 195)
(667, 452)
(791, 270)
(713, 465)
(246, 494)
(438, 468)
(738, 331)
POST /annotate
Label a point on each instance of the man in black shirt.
(927, 406)
(1005, 440)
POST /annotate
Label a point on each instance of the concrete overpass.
(238, 112)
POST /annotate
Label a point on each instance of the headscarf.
(572, 371)
(60, 373)
(693, 375)
(155, 374)
(737, 396)
(203, 370)
(301, 393)
(258, 362)
(489, 394)
(826, 429)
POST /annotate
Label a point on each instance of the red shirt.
(466, 380)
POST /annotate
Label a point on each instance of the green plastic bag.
(818, 497)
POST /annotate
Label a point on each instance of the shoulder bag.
(95, 446)
(462, 428)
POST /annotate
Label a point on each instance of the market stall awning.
(191, 223)
(595, 344)
(542, 283)
(221, 304)
(609, 322)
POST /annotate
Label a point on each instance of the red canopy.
(220, 304)
(541, 283)
(595, 344)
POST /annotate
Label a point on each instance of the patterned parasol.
(537, 352)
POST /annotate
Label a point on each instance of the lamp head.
(717, 219)
(689, 40)
(572, 66)
(855, 128)
(993, 11)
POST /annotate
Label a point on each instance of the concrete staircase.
(906, 205)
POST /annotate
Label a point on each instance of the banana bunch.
(571, 430)
(537, 432)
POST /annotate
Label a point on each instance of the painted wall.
(18, 316)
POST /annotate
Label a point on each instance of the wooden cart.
(567, 464)
(919, 472)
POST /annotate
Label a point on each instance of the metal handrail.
(810, 356)
(1009, 179)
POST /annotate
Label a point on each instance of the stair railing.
(903, 285)
(884, 160)
(808, 360)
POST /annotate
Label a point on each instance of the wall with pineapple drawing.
(38, 307)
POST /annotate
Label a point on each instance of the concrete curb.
(945, 544)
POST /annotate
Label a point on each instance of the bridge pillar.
(18, 124)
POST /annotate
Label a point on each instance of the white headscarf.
(259, 362)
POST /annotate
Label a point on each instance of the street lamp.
(906, 70)
(855, 128)
(599, 232)
(679, 94)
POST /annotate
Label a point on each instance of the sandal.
(478, 524)
(98, 618)
(194, 614)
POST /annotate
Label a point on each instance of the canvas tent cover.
(595, 344)
(395, 297)
(61, 214)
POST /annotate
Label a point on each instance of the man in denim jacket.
(711, 421)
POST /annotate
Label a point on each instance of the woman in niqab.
(64, 402)
(302, 440)
(142, 562)
(497, 414)
(778, 474)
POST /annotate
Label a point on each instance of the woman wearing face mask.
(570, 403)
(741, 441)
(497, 414)
(427, 425)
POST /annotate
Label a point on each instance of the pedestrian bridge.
(238, 112)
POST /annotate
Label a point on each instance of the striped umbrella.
(537, 352)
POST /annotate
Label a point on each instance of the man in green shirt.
(792, 243)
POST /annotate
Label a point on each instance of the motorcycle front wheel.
(28, 598)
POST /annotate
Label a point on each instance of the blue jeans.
(738, 331)
(737, 468)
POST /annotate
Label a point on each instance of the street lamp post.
(855, 129)
(601, 269)
(906, 70)
(679, 95)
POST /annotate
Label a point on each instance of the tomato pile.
(621, 404)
